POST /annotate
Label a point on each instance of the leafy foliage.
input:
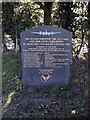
(18, 17)
(64, 15)
(73, 16)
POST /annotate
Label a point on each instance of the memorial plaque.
(46, 54)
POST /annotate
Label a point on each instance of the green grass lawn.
(64, 101)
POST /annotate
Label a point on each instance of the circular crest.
(45, 77)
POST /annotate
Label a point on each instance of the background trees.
(72, 16)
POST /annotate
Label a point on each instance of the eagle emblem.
(45, 77)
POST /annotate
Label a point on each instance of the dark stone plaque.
(46, 54)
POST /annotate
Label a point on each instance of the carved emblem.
(45, 77)
(46, 33)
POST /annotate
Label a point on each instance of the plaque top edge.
(45, 32)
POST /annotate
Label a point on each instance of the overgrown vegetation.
(58, 101)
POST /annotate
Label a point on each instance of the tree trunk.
(3, 42)
(68, 10)
(47, 13)
(47, 7)
(78, 51)
(5, 47)
(89, 35)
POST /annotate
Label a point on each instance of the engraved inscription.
(32, 59)
(35, 47)
(54, 60)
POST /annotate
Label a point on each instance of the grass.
(65, 101)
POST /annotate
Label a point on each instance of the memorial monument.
(46, 54)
